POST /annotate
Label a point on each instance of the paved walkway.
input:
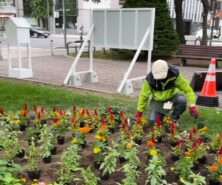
(53, 69)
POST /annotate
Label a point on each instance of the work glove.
(194, 112)
(139, 114)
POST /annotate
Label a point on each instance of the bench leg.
(183, 62)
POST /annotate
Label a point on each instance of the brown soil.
(49, 171)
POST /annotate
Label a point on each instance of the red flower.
(35, 108)
(179, 143)
(220, 151)
(54, 109)
(109, 109)
(194, 130)
(1, 111)
(111, 116)
(158, 121)
(25, 107)
(96, 112)
(191, 136)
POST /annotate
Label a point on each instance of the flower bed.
(101, 146)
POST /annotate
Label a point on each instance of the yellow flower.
(11, 121)
(143, 121)
(153, 152)
(203, 130)
(96, 150)
(129, 145)
(17, 122)
(74, 140)
(220, 178)
(182, 180)
(23, 180)
(172, 169)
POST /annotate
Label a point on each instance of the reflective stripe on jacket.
(165, 90)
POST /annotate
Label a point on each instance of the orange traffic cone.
(208, 96)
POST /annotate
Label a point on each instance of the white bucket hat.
(160, 69)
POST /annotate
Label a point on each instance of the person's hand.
(139, 114)
(194, 112)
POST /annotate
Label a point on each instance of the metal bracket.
(75, 80)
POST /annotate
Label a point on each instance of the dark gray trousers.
(179, 106)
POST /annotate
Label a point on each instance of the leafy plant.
(177, 150)
(131, 173)
(70, 162)
(216, 142)
(155, 171)
(9, 179)
(194, 179)
(32, 158)
(47, 141)
(131, 167)
(10, 144)
(109, 164)
(215, 170)
(89, 177)
(183, 167)
(8, 167)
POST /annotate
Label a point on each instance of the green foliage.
(38, 8)
(110, 162)
(165, 37)
(155, 171)
(183, 167)
(195, 179)
(32, 158)
(9, 179)
(47, 141)
(89, 177)
(8, 167)
(70, 163)
(10, 144)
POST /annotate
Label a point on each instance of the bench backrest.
(200, 50)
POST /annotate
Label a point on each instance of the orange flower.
(150, 144)
(219, 161)
(84, 130)
(187, 153)
(213, 168)
(100, 138)
(57, 123)
(23, 113)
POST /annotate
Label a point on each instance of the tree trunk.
(179, 20)
(206, 8)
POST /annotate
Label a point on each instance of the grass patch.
(14, 94)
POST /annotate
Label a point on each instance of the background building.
(77, 13)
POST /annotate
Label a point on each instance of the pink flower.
(41, 183)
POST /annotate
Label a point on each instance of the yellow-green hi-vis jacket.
(164, 90)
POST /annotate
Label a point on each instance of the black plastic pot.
(43, 122)
(159, 139)
(138, 141)
(47, 159)
(122, 159)
(112, 130)
(104, 177)
(96, 164)
(22, 127)
(33, 174)
(60, 140)
(174, 158)
(202, 160)
(20, 154)
(53, 151)
(83, 145)
(214, 182)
